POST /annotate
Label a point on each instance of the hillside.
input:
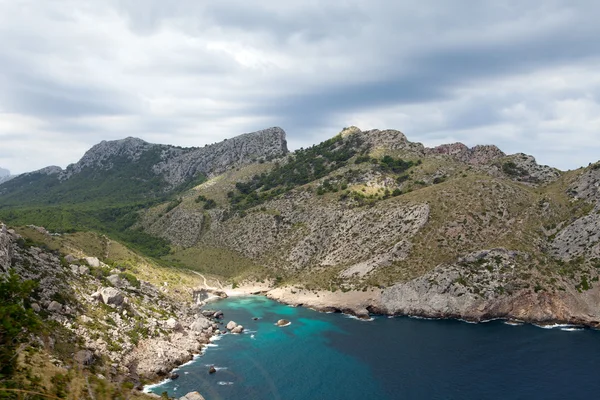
(85, 317)
(365, 222)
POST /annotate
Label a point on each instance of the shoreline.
(362, 306)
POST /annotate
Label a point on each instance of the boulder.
(92, 261)
(173, 324)
(200, 324)
(208, 313)
(70, 258)
(114, 280)
(192, 396)
(218, 314)
(231, 325)
(84, 357)
(84, 270)
(283, 322)
(55, 306)
(111, 296)
(212, 369)
(35, 307)
(174, 376)
(238, 329)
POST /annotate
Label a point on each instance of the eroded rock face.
(217, 158)
(491, 284)
(315, 234)
(582, 236)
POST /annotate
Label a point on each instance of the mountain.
(365, 222)
(443, 231)
(130, 170)
(5, 175)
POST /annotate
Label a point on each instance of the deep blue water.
(332, 356)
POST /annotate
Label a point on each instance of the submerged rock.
(212, 369)
(283, 322)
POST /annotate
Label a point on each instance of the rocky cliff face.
(493, 284)
(215, 159)
(178, 165)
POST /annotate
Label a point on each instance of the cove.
(333, 356)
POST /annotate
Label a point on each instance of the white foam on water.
(281, 326)
(557, 326)
(148, 388)
(423, 318)
(572, 329)
(224, 383)
(358, 318)
(513, 323)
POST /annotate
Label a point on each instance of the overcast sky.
(524, 75)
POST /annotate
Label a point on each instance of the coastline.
(360, 305)
(365, 304)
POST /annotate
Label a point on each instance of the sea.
(335, 356)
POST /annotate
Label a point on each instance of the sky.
(524, 75)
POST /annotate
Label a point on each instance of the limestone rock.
(92, 261)
(200, 324)
(114, 280)
(70, 258)
(55, 306)
(173, 324)
(282, 322)
(35, 307)
(238, 329)
(192, 396)
(112, 296)
(231, 325)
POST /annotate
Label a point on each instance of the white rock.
(92, 261)
(200, 324)
(192, 396)
(231, 325)
(238, 329)
(173, 324)
(112, 296)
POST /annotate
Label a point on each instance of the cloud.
(521, 75)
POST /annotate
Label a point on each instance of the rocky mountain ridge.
(178, 164)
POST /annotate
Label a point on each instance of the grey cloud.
(201, 71)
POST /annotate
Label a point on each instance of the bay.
(333, 356)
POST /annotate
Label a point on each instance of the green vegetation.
(304, 166)
(511, 169)
(17, 320)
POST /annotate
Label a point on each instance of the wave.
(513, 323)
(358, 318)
(562, 327)
(281, 326)
(148, 388)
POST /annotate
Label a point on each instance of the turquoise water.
(332, 356)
